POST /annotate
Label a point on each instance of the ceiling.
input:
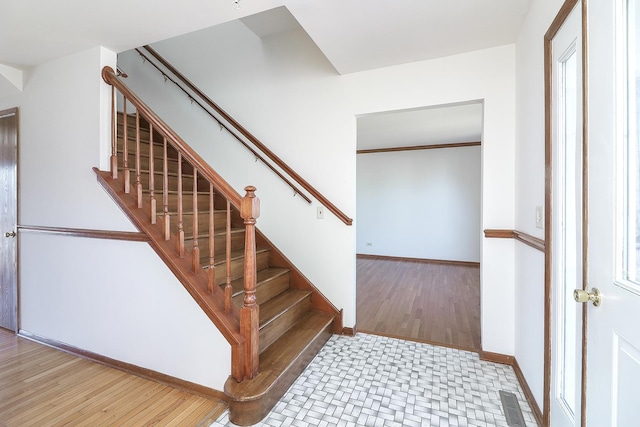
(443, 124)
(354, 35)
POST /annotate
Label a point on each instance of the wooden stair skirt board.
(295, 319)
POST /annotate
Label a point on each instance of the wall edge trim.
(520, 236)
(419, 147)
(132, 236)
(423, 260)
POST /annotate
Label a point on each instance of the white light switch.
(539, 217)
(320, 212)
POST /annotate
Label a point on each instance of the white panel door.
(613, 328)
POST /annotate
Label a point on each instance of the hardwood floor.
(42, 386)
(422, 301)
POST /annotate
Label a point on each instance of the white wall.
(529, 263)
(293, 100)
(420, 204)
(285, 92)
(276, 80)
(110, 297)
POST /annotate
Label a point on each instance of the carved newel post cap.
(250, 207)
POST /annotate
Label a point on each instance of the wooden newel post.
(249, 320)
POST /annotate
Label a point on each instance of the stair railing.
(238, 130)
(244, 354)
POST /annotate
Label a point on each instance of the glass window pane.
(631, 232)
(572, 228)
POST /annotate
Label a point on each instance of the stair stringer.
(196, 283)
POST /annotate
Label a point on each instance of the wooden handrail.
(295, 189)
(109, 76)
(250, 137)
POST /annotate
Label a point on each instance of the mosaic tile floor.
(369, 380)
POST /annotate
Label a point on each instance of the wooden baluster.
(195, 254)
(228, 289)
(180, 235)
(249, 313)
(138, 183)
(152, 179)
(212, 267)
(125, 150)
(166, 219)
(114, 134)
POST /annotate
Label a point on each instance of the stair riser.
(278, 327)
(158, 155)
(131, 130)
(219, 218)
(237, 267)
(187, 182)
(158, 164)
(187, 202)
(131, 119)
(266, 291)
(158, 150)
(220, 244)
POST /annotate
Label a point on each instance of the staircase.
(201, 236)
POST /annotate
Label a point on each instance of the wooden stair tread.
(280, 357)
(156, 172)
(264, 276)
(173, 202)
(175, 193)
(275, 307)
(145, 154)
(234, 256)
(158, 147)
(188, 212)
(202, 236)
(174, 214)
(217, 241)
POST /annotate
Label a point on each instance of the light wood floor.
(40, 386)
(422, 301)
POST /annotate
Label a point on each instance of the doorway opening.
(9, 219)
(418, 237)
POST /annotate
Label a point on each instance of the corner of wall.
(12, 75)
(107, 58)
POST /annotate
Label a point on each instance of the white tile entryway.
(370, 380)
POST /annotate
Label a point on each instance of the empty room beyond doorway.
(432, 302)
(418, 237)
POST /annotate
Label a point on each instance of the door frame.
(16, 283)
(555, 26)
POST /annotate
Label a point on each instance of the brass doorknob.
(10, 234)
(583, 296)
